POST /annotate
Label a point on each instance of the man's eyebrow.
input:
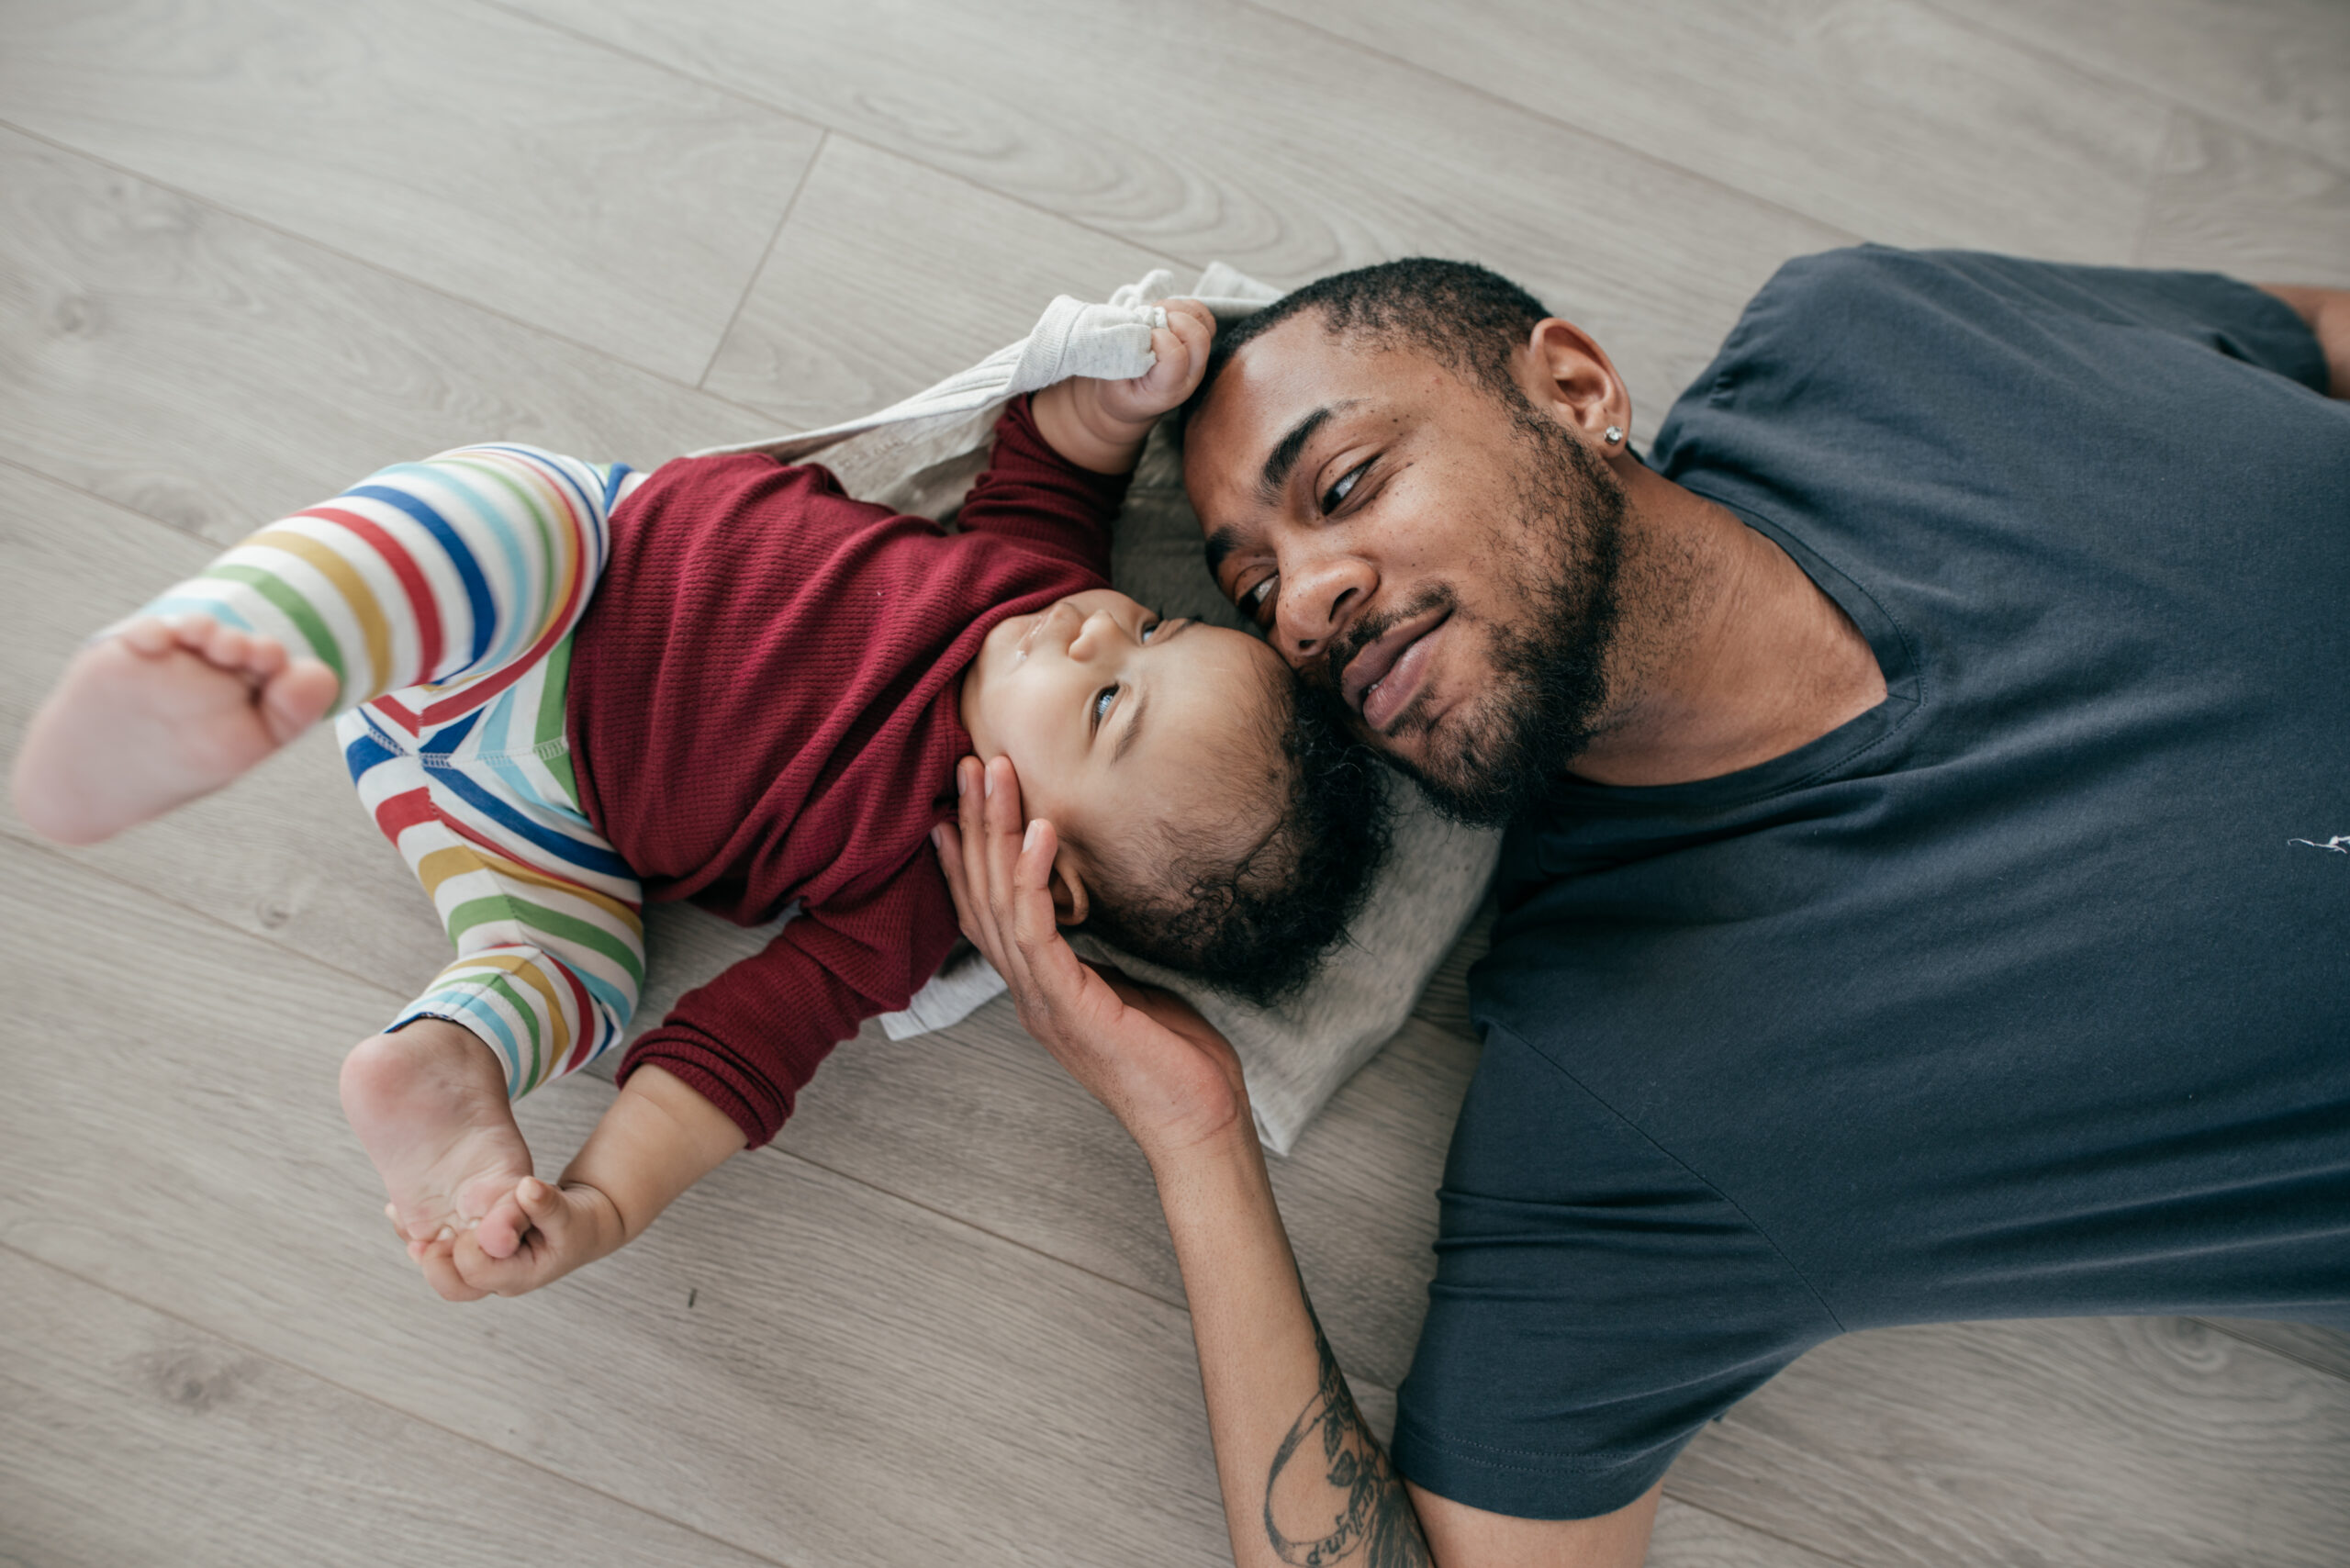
(1133, 720)
(1285, 454)
(1223, 541)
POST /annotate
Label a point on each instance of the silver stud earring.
(1614, 434)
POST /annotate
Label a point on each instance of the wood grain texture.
(2090, 1440)
(1691, 1537)
(216, 375)
(572, 188)
(129, 1437)
(2236, 203)
(1211, 130)
(2327, 1350)
(889, 275)
(789, 1360)
(2279, 67)
(1886, 119)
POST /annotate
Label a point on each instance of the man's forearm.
(1304, 1480)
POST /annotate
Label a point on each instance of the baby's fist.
(1182, 347)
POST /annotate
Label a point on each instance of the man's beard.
(1506, 749)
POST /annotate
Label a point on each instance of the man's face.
(1440, 556)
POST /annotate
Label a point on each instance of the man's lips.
(1389, 671)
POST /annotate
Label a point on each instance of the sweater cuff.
(752, 1100)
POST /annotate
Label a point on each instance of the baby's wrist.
(612, 1231)
(1071, 418)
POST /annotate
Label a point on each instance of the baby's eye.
(1153, 626)
(1101, 701)
(1335, 495)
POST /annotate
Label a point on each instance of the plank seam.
(839, 131)
(1514, 106)
(380, 270)
(300, 1370)
(775, 238)
(2112, 77)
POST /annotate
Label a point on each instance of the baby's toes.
(439, 1261)
(500, 1234)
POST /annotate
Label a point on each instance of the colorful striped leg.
(426, 572)
(545, 917)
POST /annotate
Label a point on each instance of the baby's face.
(1113, 717)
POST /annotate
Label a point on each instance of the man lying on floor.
(1928, 888)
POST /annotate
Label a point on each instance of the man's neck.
(1727, 654)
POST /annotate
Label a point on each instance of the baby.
(566, 687)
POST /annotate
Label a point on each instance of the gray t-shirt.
(2026, 993)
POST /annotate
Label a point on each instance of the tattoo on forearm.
(1341, 1492)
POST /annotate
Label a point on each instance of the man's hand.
(1169, 1078)
(1101, 425)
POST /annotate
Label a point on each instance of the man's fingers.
(1003, 826)
(1034, 922)
(948, 842)
(973, 834)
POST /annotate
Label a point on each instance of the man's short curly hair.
(1255, 917)
(1467, 318)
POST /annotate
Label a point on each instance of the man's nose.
(1318, 603)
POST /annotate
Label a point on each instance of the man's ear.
(1070, 903)
(1570, 378)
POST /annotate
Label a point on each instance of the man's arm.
(2327, 311)
(1304, 1480)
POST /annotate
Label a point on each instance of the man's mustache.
(1340, 651)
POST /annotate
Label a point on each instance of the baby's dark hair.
(1254, 918)
(1467, 318)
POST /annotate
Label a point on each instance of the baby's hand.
(1101, 424)
(1181, 346)
(530, 1239)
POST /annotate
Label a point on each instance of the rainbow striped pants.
(443, 595)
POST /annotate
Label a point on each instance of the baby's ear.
(1070, 903)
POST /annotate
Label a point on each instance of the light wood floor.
(251, 249)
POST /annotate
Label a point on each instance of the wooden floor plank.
(2279, 67)
(2120, 1441)
(2241, 204)
(2327, 1350)
(574, 188)
(1887, 119)
(1691, 1538)
(789, 1360)
(889, 275)
(214, 375)
(129, 1437)
(1212, 130)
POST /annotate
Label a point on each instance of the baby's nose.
(1098, 630)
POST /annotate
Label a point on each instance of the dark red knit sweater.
(763, 709)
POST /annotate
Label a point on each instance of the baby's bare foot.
(155, 716)
(429, 1105)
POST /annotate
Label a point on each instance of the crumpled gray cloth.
(922, 455)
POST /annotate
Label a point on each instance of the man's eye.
(1253, 602)
(1335, 495)
(1101, 701)
(1148, 631)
